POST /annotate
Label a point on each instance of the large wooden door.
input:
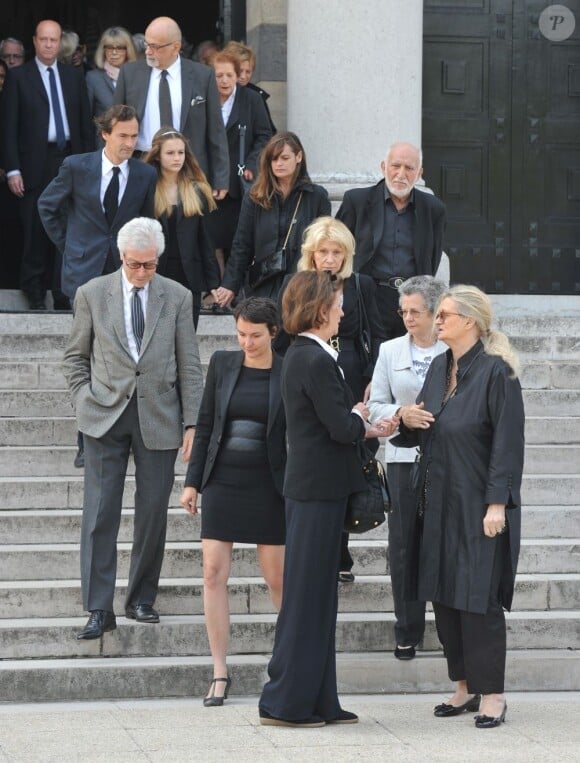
(501, 137)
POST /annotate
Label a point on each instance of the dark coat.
(195, 251)
(349, 330)
(25, 117)
(473, 456)
(321, 428)
(259, 235)
(249, 110)
(264, 95)
(362, 211)
(222, 376)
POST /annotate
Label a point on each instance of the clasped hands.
(381, 428)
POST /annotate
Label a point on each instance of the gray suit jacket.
(201, 117)
(72, 214)
(102, 375)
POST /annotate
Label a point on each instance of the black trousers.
(475, 644)
(387, 300)
(106, 460)
(410, 615)
(303, 666)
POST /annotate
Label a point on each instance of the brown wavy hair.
(266, 185)
(304, 298)
(194, 190)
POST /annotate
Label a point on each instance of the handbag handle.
(242, 159)
(292, 222)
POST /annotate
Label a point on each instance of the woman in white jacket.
(397, 380)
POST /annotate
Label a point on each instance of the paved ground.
(539, 727)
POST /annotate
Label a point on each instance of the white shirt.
(127, 297)
(151, 121)
(43, 69)
(107, 174)
(228, 105)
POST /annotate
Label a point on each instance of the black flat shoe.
(345, 576)
(143, 613)
(314, 722)
(99, 622)
(211, 700)
(445, 710)
(488, 722)
(344, 716)
(404, 652)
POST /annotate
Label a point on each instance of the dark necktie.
(57, 113)
(111, 197)
(165, 113)
(137, 318)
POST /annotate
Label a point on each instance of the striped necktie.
(137, 318)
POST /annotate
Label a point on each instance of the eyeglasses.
(411, 313)
(154, 47)
(137, 265)
(17, 56)
(442, 316)
(115, 48)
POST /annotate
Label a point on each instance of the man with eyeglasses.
(12, 51)
(132, 365)
(168, 90)
(398, 230)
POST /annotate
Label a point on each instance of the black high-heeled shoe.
(444, 710)
(211, 700)
(488, 721)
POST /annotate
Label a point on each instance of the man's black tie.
(137, 318)
(111, 197)
(165, 112)
(57, 113)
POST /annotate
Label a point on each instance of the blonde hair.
(473, 303)
(327, 228)
(111, 36)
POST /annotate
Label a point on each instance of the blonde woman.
(115, 47)
(469, 424)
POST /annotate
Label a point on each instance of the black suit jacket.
(321, 428)
(248, 109)
(362, 211)
(25, 117)
(196, 251)
(222, 375)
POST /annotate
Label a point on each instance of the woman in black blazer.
(242, 111)
(329, 245)
(238, 460)
(183, 199)
(322, 470)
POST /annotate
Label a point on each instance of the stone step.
(61, 430)
(67, 492)
(64, 526)
(249, 595)
(181, 635)
(57, 460)
(60, 561)
(98, 678)
(550, 375)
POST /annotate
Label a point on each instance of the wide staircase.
(40, 515)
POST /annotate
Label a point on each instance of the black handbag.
(366, 509)
(274, 264)
(364, 339)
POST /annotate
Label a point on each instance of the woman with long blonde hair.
(183, 198)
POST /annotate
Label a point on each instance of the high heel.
(444, 710)
(211, 700)
(488, 721)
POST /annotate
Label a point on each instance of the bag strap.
(242, 158)
(293, 221)
(362, 311)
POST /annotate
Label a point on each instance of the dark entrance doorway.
(501, 136)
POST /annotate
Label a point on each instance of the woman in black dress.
(274, 214)
(464, 552)
(238, 461)
(183, 199)
(329, 245)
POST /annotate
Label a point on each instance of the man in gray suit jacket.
(133, 369)
(73, 207)
(170, 91)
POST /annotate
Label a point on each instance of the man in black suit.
(45, 117)
(398, 230)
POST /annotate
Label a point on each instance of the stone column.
(354, 83)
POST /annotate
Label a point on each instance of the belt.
(392, 283)
(245, 435)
